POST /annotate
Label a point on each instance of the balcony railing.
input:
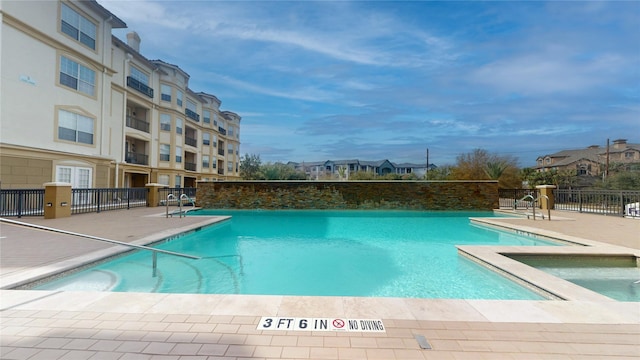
(138, 124)
(137, 158)
(220, 172)
(190, 166)
(192, 115)
(222, 130)
(220, 151)
(137, 85)
(191, 141)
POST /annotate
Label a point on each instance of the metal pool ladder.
(180, 211)
(91, 237)
(533, 206)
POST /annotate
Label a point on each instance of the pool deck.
(101, 325)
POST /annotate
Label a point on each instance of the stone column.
(154, 196)
(57, 200)
(548, 191)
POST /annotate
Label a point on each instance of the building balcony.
(137, 85)
(222, 131)
(137, 158)
(220, 172)
(138, 124)
(190, 166)
(192, 115)
(191, 141)
(221, 152)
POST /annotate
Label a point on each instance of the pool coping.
(497, 258)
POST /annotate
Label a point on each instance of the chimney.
(620, 143)
(133, 40)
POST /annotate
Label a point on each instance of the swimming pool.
(616, 277)
(319, 253)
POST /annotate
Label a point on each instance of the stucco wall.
(415, 195)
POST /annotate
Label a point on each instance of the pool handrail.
(91, 237)
(533, 207)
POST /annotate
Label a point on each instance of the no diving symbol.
(338, 323)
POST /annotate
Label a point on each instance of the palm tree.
(495, 169)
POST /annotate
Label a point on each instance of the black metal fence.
(508, 197)
(97, 200)
(163, 195)
(606, 202)
(22, 202)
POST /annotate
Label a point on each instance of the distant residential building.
(332, 168)
(81, 106)
(592, 160)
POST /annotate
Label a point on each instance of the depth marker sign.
(320, 324)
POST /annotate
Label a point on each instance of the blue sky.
(377, 80)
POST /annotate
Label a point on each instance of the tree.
(481, 165)
(280, 171)
(250, 167)
(439, 173)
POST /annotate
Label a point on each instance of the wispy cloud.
(371, 80)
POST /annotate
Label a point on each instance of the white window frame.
(179, 124)
(139, 75)
(165, 150)
(85, 78)
(77, 123)
(178, 154)
(165, 122)
(164, 94)
(86, 29)
(179, 96)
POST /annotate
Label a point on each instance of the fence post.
(20, 203)
(57, 200)
(580, 201)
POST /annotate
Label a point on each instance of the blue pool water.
(320, 253)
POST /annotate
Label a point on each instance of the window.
(178, 154)
(165, 153)
(547, 160)
(139, 75)
(192, 106)
(215, 140)
(179, 98)
(230, 166)
(230, 130)
(78, 27)
(163, 179)
(75, 127)
(215, 119)
(206, 116)
(165, 122)
(628, 155)
(178, 126)
(206, 139)
(178, 181)
(77, 77)
(165, 92)
(205, 161)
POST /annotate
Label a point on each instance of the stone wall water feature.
(405, 195)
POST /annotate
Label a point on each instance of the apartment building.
(331, 168)
(79, 105)
(592, 161)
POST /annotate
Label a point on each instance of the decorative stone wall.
(406, 195)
